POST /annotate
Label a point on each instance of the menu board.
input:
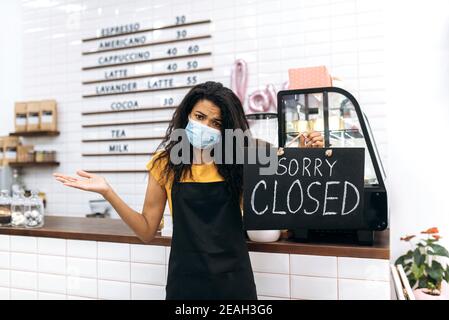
(133, 77)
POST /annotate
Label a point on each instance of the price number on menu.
(190, 50)
(168, 101)
(193, 49)
(181, 19)
(192, 65)
(172, 51)
(192, 80)
(180, 34)
(172, 67)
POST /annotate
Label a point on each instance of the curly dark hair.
(233, 117)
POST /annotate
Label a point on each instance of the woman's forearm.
(136, 221)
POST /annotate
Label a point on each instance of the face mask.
(202, 136)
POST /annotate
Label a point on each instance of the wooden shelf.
(98, 125)
(115, 171)
(91, 113)
(117, 154)
(202, 54)
(121, 139)
(35, 134)
(135, 92)
(112, 230)
(171, 26)
(33, 164)
(149, 44)
(148, 75)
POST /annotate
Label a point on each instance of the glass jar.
(43, 196)
(5, 208)
(18, 209)
(34, 211)
(17, 184)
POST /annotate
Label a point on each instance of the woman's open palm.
(86, 181)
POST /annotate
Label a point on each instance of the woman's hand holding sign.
(313, 139)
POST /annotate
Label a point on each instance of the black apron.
(209, 256)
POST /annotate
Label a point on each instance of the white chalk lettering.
(306, 167)
(326, 198)
(331, 166)
(283, 166)
(345, 192)
(297, 182)
(312, 198)
(290, 167)
(318, 164)
(274, 200)
(253, 196)
(311, 167)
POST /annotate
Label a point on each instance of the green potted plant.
(426, 265)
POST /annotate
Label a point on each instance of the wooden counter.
(109, 230)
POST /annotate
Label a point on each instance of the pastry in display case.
(336, 114)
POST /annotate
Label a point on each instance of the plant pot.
(420, 293)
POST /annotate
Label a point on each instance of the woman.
(209, 258)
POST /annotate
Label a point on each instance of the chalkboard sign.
(312, 189)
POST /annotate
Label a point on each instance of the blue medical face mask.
(202, 136)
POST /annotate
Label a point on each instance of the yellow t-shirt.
(201, 173)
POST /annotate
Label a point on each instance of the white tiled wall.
(306, 277)
(271, 35)
(311, 288)
(68, 269)
(123, 271)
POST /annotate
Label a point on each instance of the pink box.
(306, 78)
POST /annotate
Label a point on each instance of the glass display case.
(337, 115)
